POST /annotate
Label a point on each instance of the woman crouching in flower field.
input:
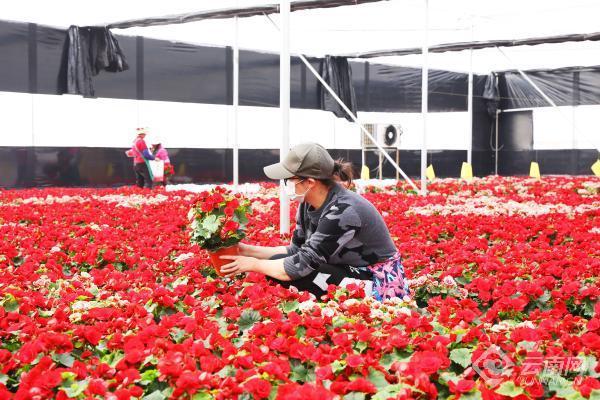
(340, 237)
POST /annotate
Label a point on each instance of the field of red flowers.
(102, 296)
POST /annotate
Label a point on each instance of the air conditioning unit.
(387, 135)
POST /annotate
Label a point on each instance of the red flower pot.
(226, 251)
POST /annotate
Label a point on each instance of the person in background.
(140, 153)
(160, 153)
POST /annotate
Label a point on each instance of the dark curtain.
(337, 73)
(89, 51)
(491, 95)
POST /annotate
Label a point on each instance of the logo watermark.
(494, 366)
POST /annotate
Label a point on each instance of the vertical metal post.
(496, 146)
(397, 162)
(470, 104)
(236, 99)
(284, 106)
(425, 99)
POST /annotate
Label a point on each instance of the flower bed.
(102, 296)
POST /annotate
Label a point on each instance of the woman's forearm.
(272, 268)
(262, 252)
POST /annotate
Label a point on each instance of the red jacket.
(138, 148)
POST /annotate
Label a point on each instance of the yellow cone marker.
(430, 173)
(466, 171)
(534, 170)
(596, 168)
(364, 173)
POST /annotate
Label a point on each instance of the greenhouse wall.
(183, 93)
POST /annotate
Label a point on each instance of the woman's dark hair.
(343, 171)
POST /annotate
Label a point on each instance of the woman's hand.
(245, 249)
(238, 265)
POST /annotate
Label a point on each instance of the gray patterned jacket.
(347, 230)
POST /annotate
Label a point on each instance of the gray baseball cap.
(308, 160)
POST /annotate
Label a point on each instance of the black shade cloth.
(565, 86)
(241, 12)
(491, 94)
(91, 50)
(477, 45)
(337, 73)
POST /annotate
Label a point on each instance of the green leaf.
(150, 360)
(588, 366)
(471, 396)
(156, 395)
(361, 346)
(76, 388)
(149, 376)
(202, 396)
(543, 299)
(377, 378)
(461, 356)
(248, 319)
(588, 308)
(3, 378)
(527, 345)
(10, 303)
(300, 332)
(178, 334)
(561, 386)
(389, 391)
(67, 375)
(354, 396)
(595, 394)
(337, 366)
(389, 358)
(228, 370)
(290, 306)
(509, 389)
(302, 374)
(65, 359)
(338, 321)
(447, 377)
(112, 359)
(211, 224)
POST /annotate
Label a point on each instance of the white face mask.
(290, 191)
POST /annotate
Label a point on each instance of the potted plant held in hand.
(218, 222)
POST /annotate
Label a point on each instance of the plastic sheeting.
(337, 73)
(173, 71)
(566, 86)
(491, 94)
(91, 50)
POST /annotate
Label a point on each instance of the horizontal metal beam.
(478, 45)
(240, 12)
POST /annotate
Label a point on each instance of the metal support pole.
(284, 105)
(397, 162)
(496, 147)
(352, 116)
(362, 155)
(380, 167)
(236, 100)
(470, 104)
(424, 100)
